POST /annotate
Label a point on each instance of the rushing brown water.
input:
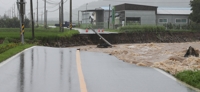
(166, 56)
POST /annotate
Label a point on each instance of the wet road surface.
(83, 31)
(45, 69)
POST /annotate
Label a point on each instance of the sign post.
(22, 33)
(21, 10)
(113, 17)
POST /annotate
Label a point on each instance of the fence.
(168, 26)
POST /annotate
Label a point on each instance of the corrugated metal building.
(178, 16)
(132, 13)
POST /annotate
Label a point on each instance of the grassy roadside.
(13, 50)
(146, 28)
(11, 36)
(190, 77)
(39, 33)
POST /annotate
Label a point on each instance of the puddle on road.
(166, 56)
(37, 72)
(21, 73)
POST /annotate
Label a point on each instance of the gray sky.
(6, 5)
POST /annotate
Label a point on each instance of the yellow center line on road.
(83, 87)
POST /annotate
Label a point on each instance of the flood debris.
(103, 44)
(192, 52)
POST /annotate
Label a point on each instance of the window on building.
(163, 20)
(133, 20)
(181, 20)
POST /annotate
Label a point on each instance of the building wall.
(99, 19)
(85, 17)
(99, 16)
(147, 16)
(172, 19)
(106, 16)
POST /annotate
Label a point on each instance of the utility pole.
(32, 20)
(70, 14)
(109, 18)
(10, 13)
(21, 9)
(78, 18)
(37, 14)
(45, 24)
(42, 17)
(62, 16)
(46, 17)
(14, 11)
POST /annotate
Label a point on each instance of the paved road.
(83, 31)
(45, 69)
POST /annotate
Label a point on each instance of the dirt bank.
(166, 56)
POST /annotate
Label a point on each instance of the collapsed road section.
(103, 43)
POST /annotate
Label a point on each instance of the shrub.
(5, 47)
(190, 77)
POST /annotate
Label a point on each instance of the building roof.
(97, 9)
(129, 6)
(176, 11)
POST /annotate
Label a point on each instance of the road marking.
(166, 74)
(14, 56)
(83, 87)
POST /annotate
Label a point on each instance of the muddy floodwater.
(166, 56)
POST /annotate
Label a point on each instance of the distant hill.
(159, 3)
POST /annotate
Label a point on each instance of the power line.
(54, 10)
(145, 1)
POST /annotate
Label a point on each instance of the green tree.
(195, 15)
(6, 22)
(27, 23)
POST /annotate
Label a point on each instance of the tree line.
(6, 22)
(195, 15)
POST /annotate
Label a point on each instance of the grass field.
(11, 47)
(12, 50)
(39, 33)
(190, 77)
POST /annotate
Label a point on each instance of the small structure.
(99, 17)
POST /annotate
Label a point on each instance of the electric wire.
(54, 10)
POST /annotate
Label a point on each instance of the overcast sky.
(6, 5)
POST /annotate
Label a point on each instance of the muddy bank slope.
(124, 38)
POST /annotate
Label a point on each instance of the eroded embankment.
(122, 38)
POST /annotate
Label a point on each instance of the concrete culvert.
(192, 52)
